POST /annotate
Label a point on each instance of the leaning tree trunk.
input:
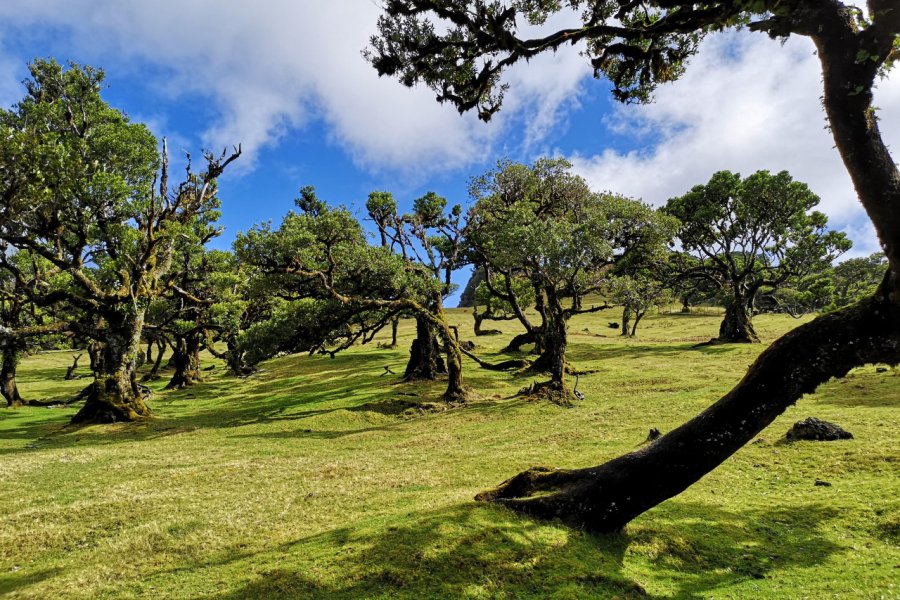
(153, 373)
(186, 360)
(425, 360)
(637, 319)
(605, 498)
(8, 387)
(456, 390)
(115, 395)
(737, 327)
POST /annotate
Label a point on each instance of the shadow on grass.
(480, 551)
(863, 390)
(285, 390)
(584, 353)
(11, 582)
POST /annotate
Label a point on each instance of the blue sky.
(286, 79)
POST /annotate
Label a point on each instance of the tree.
(638, 45)
(543, 224)
(751, 233)
(636, 293)
(322, 254)
(79, 191)
(497, 308)
(22, 324)
(857, 278)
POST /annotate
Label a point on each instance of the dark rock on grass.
(467, 345)
(822, 483)
(813, 429)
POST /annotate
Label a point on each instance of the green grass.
(316, 479)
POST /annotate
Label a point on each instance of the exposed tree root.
(550, 390)
(112, 401)
(506, 365)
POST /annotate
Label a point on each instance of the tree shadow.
(285, 390)
(866, 389)
(481, 551)
(20, 579)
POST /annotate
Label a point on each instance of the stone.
(813, 429)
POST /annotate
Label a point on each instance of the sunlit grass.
(318, 478)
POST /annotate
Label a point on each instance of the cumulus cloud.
(271, 68)
(746, 103)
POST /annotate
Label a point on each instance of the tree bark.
(606, 497)
(553, 357)
(8, 387)
(186, 360)
(160, 353)
(425, 360)
(515, 344)
(626, 321)
(637, 319)
(116, 395)
(737, 326)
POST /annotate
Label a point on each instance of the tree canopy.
(750, 233)
(79, 184)
(542, 223)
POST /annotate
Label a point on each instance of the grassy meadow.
(320, 478)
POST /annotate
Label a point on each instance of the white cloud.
(268, 68)
(746, 103)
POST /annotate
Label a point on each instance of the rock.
(881, 369)
(467, 345)
(822, 483)
(814, 429)
(612, 325)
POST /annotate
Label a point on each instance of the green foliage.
(542, 223)
(857, 278)
(78, 179)
(637, 293)
(461, 49)
(339, 289)
(760, 231)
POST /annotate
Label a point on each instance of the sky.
(286, 79)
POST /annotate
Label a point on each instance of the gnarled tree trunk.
(8, 387)
(425, 360)
(626, 321)
(186, 360)
(153, 373)
(522, 339)
(115, 395)
(737, 326)
(395, 324)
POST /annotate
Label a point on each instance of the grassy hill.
(320, 478)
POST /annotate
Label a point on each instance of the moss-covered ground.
(320, 478)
